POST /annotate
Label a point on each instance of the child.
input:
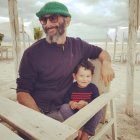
(79, 95)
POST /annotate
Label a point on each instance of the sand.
(128, 127)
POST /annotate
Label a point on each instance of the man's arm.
(106, 69)
(27, 100)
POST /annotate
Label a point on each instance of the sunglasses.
(51, 18)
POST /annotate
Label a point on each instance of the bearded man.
(46, 68)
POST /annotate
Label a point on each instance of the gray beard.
(52, 39)
(59, 33)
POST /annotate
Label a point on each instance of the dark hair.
(86, 64)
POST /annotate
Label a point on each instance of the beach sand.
(128, 127)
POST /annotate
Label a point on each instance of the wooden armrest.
(7, 134)
(33, 124)
(76, 121)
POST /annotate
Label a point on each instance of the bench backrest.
(97, 79)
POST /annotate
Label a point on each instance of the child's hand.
(81, 104)
(73, 105)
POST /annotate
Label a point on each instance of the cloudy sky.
(91, 19)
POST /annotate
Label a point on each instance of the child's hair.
(86, 64)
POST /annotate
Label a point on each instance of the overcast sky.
(91, 19)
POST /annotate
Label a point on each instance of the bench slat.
(7, 134)
(102, 130)
(34, 124)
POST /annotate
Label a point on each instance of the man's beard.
(60, 31)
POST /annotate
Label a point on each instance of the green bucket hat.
(53, 8)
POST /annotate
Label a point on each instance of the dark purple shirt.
(46, 70)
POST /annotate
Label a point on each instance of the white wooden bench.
(34, 125)
(76, 121)
(6, 52)
(7, 134)
(97, 80)
(37, 126)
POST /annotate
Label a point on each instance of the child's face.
(83, 77)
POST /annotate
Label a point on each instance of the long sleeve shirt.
(75, 93)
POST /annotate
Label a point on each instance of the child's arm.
(67, 96)
(95, 92)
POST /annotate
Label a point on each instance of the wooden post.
(122, 51)
(133, 26)
(28, 39)
(23, 34)
(106, 43)
(115, 41)
(13, 15)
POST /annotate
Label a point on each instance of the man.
(45, 72)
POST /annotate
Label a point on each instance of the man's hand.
(27, 100)
(107, 72)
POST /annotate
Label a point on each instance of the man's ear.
(67, 21)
